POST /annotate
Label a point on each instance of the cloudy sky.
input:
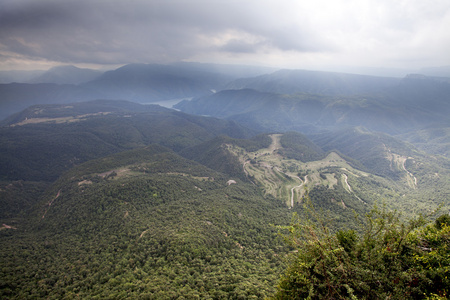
(313, 34)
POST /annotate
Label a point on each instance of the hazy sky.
(313, 34)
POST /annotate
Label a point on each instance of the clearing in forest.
(286, 178)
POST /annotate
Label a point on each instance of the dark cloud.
(118, 32)
(125, 31)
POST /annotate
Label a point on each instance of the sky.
(313, 34)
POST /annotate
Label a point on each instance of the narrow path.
(51, 202)
(5, 226)
(346, 182)
(410, 174)
(350, 189)
(143, 232)
(298, 186)
(246, 172)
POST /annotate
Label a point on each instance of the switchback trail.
(298, 186)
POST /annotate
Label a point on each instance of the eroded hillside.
(288, 178)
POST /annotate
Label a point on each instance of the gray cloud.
(119, 32)
(240, 46)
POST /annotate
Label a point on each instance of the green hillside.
(145, 223)
(377, 152)
(297, 146)
(215, 155)
(386, 170)
(149, 223)
(434, 139)
(43, 141)
(110, 200)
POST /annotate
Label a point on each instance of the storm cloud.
(284, 33)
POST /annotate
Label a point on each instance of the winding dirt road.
(298, 186)
(350, 188)
(410, 174)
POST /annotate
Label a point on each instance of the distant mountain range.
(261, 98)
(397, 106)
(143, 83)
(314, 82)
(146, 83)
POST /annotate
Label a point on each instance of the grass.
(282, 177)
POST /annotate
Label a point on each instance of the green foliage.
(347, 239)
(255, 143)
(162, 227)
(18, 197)
(390, 259)
(367, 148)
(338, 205)
(43, 151)
(299, 147)
(148, 223)
(214, 154)
(443, 220)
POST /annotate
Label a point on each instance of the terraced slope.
(287, 178)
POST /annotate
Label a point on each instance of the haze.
(335, 35)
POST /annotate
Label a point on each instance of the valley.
(113, 199)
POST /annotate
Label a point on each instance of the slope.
(312, 112)
(433, 139)
(357, 170)
(42, 142)
(15, 97)
(145, 223)
(215, 155)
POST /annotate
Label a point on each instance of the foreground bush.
(388, 260)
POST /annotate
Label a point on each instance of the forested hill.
(215, 155)
(145, 223)
(149, 223)
(43, 141)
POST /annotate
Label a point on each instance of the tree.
(390, 259)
